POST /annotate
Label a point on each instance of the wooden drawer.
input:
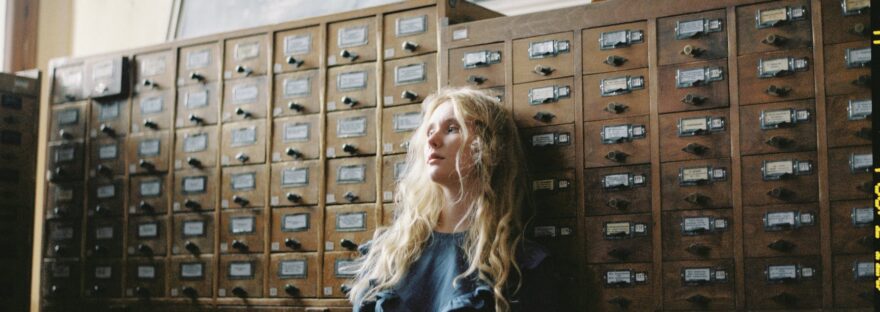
(479, 66)
(297, 93)
(543, 57)
(191, 277)
(296, 183)
(241, 276)
(148, 152)
(410, 33)
(773, 26)
(68, 83)
(781, 230)
(613, 48)
(103, 278)
(389, 214)
(694, 86)
(559, 236)
(349, 226)
(695, 135)
(778, 127)
(296, 229)
(151, 111)
(109, 118)
(338, 272)
(691, 37)
(106, 196)
(297, 49)
(615, 239)
(616, 142)
(245, 99)
(549, 147)
(783, 283)
(294, 275)
(246, 57)
(847, 68)
(296, 138)
(243, 143)
(145, 278)
(696, 184)
(620, 287)
(60, 279)
(853, 277)
(409, 80)
(351, 133)
(851, 230)
(68, 122)
(779, 179)
(393, 168)
(104, 238)
(242, 231)
(698, 285)
(848, 120)
(197, 105)
(351, 180)
(196, 148)
(697, 235)
(62, 239)
(850, 173)
(155, 71)
(244, 187)
(147, 236)
(195, 190)
(617, 190)
(107, 76)
(544, 103)
(776, 76)
(64, 201)
(65, 162)
(199, 64)
(148, 194)
(398, 125)
(351, 41)
(616, 95)
(351, 87)
(844, 21)
(107, 157)
(193, 234)
(557, 193)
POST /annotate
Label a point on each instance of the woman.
(456, 243)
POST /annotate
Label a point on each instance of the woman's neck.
(454, 212)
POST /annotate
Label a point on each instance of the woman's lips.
(434, 158)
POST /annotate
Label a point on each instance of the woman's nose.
(434, 139)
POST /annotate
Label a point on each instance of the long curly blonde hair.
(497, 183)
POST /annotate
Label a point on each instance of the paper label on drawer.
(296, 132)
(778, 168)
(152, 105)
(410, 74)
(299, 87)
(861, 162)
(351, 174)
(862, 216)
(195, 184)
(863, 270)
(351, 221)
(351, 81)
(616, 180)
(102, 70)
(697, 224)
(781, 218)
(195, 142)
(193, 228)
(411, 25)
(240, 269)
(191, 270)
(109, 111)
(104, 232)
(345, 268)
(611, 133)
(617, 229)
(545, 231)
(775, 65)
(148, 230)
(781, 272)
(246, 50)
(691, 27)
(63, 194)
(859, 109)
(460, 34)
(107, 151)
(609, 40)
(244, 94)
(242, 225)
(693, 124)
(295, 177)
(695, 174)
(295, 222)
(149, 147)
(60, 270)
(151, 188)
(852, 7)
(146, 272)
(297, 44)
(244, 136)
(858, 57)
(62, 233)
(68, 117)
(103, 272)
(697, 275)
(292, 268)
(196, 99)
(618, 277)
(244, 181)
(106, 191)
(399, 169)
(351, 127)
(65, 154)
(198, 59)
(153, 66)
(405, 122)
(610, 86)
(772, 16)
(352, 36)
(72, 79)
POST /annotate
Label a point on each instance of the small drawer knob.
(196, 119)
(693, 99)
(409, 95)
(544, 117)
(293, 197)
(348, 244)
(349, 148)
(543, 70)
(477, 80)
(240, 245)
(194, 162)
(191, 204)
(108, 130)
(616, 108)
(616, 156)
(774, 40)
(615, 60)
(774, 90)
(292, 243)
(293, 153)
(350, 197)
(348, 54)
(295, 107)
(240, 200)
(410, 46)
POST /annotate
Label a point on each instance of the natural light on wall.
(520, 7)
(4, 64)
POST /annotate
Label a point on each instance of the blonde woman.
(456, 243)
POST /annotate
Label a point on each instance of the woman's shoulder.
(530, 254)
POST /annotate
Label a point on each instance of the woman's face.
(444, 139)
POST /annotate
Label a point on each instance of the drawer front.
(350, 87)
(851, 227)
(848, 68)
(349, 226)
(697, 235)
(297, 93)
(779, 179)
(103, 278)
(197, 105)
(245, 99)
(106, 197)
(296, 183)
(617, 190)
(199, 64)
(155, 71)
(776, 76)
(556, 192)
(844, 21)
(393, 169)
(613, 48)
(389, 214)
(351, 180)
(107, 76)
(191, 277)
(543, 57)
(853, 276)
(695, 86)
(195, 190)
(16, 112)
(549, 147)
(64, 201)
(296, 138)
(152, 111)
(781, 230)
(696, 184)
(147, 236)
(410, 33)
(104, 238)
(771, 285)
(297, 49)
(148, 152)
(294, 275)
(480, 66)
(65, 162)
(246, 57)
(409, 80)
(848, 120)
(68, 84)
(60, 279)
(148, 194)
(242, 231)
(193, 234)
(691, 37)
(241, 276)
(778, 127)
(559, 236)
(338, 272)
(244, 187)
(68, 122)
(351, 133)
(850, 173)
(145, 278)
(695, 135)
(544, 103)
(779, 25)
(698, 285)
(107, 157)
(243, 143)
(398, 126)
(62, 239)
(616, 142)
(296, 229)
(616, 95)
(351, 41)
(196, 148)
(614, 239)
(621, 287)
(109, 119)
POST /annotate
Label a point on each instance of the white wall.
(101, 26)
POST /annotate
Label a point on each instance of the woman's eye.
(452, 129)
(430, 132)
